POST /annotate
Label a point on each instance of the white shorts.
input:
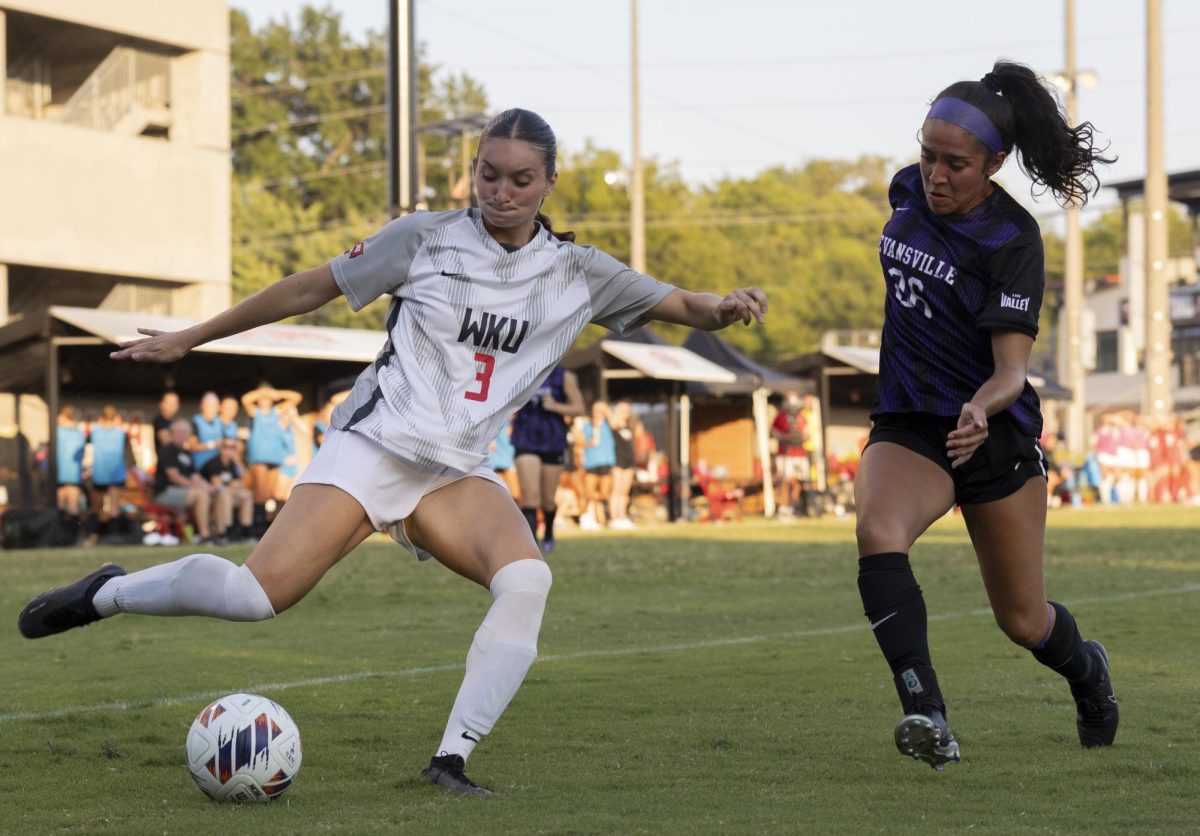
(794, 467)
(388, 488)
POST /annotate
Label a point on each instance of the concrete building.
(1115, 319)
(115, 173)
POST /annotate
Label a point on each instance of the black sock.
(549, 516)
(531, 518)
(893, 604)
(1063, 650)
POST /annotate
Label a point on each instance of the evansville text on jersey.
(492, 331)
(918, 260)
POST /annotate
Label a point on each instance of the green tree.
(309, 137)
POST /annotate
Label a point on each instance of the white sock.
(504, 647)
(199, 584)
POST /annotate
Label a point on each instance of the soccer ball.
(243, 747)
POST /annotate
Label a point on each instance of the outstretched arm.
(710, 312)
(297, 294)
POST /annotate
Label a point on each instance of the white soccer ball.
(243, 747)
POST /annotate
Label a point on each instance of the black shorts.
(602, 470)
(558, 458)
(998, 468)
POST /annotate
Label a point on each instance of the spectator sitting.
(225, 474)
(228, 413)
(168, 408)
(209, 430)
(178, 486)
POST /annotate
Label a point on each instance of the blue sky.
(732, 87)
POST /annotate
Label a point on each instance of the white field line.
(270, 687)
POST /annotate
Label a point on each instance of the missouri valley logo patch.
(357, 249)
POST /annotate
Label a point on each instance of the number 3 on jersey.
(483, 375)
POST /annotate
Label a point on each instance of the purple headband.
(969, 118)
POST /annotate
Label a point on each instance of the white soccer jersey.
(473, 329)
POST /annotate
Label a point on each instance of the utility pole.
(1158, 395)
(637, 183)
(1076, 428)
(402, 108)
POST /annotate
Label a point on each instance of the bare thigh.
(472, 527)
(551, 474)
(264, 477)
(529, 475)
(317, 527)
(898, 494)
(1009, 536)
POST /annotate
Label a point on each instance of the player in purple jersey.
(956, 421)
(485, 303)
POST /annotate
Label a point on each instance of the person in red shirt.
(790, 429)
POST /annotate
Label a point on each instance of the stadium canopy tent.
(66, 351)
(847, 367)
(755, 379)
(644, 367)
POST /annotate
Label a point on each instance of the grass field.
(691, 680)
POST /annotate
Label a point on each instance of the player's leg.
(898, 494)
(1008, 535)
(501, 556)
(548, 488)
(314, 532)
(199, 502)
(223, 512)
(529, 476)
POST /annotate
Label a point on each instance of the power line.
(299, 85)
(340, 115)
(341, 171)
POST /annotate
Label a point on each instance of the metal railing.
(126, 79)
(28, 88)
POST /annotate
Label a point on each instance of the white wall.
(80, 199)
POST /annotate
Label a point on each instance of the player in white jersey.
(484, 303)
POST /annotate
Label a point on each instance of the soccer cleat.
(446, 771)
(548, 545)
(65, 607)
(925, 736)
(1096, 715)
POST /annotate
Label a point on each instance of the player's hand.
(970, 434)
(157, 347)
(745, 303)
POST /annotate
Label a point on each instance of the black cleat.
(1096, 715)
(926, 736)
(446, 771)
(65, 607)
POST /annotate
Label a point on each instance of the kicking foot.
(446, 771)
(925, 736)
(1096, 715)
(65, 607)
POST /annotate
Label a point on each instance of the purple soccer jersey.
(952, 280)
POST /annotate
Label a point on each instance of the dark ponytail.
(527, 126)
(542, 218)
(1053, 154)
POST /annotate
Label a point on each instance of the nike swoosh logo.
(468, 737)
(454, 275)
(875, 624)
